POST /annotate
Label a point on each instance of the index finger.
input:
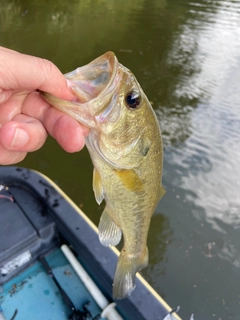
(27, 72)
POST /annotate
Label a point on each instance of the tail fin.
(124, 280)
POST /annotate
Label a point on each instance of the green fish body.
(125, 146)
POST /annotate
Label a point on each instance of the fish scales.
(125, 146)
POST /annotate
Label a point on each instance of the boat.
(37, 279)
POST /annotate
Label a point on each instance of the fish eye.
(133, 99)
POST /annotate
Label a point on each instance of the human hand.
(25, 118)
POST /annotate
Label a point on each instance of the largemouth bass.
(125, 146)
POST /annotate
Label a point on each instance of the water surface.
(186, 56)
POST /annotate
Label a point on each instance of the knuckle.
(45, 66)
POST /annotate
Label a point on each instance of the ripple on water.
(207, 52)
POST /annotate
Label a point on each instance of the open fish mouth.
(95, 87)
(99, 77)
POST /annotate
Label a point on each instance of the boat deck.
(34, 292)
(36, 218)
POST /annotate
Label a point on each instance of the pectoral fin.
(109, 232)
(97, 186)
(130, 179)
(145, 146)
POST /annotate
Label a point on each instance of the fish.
(125, 146)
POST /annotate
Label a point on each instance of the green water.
(186, 56)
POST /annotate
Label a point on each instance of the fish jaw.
(78, 111)
(95, 87)
(94, 80)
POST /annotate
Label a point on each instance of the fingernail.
(70, 83)
(21, 137)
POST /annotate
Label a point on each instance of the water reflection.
(212, 153)
(206, 162)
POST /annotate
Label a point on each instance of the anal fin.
(109, 232)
